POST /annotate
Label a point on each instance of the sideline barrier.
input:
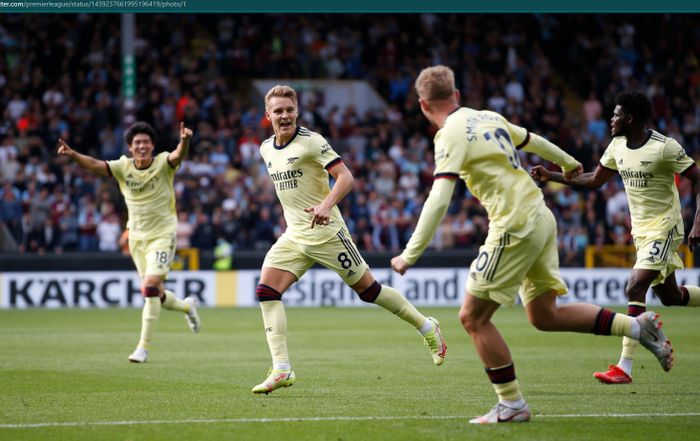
(318, 288)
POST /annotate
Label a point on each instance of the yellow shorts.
(507, 264)
(153, 257)
(339, 254)
(660, 252)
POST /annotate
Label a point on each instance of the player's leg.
(151, 301)
(161, 255)
(284, 264)
(389, 298)
(671, 294)
(340, 255)
(475, 316)
(657, 259)
(494, 278)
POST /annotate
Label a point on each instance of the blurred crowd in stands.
(553, 74)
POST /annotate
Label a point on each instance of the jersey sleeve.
(322, 153)
(116, 167)
(675, 158)
(519, 135)
(165, 165)
(608, 158)
(449, 156)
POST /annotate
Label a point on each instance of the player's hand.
(569, 175)
(185, 133)
(322, 215)
(540, 173)
(399, 265)
(694, 236)
(63, 148)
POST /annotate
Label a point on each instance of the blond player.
(299, 163)
(146, 182)
(520, 252)
(647, 162)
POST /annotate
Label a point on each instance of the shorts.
(338, 254)
(153, 257)
(507, 265)
(660, 252)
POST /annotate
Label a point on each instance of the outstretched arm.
(343, 184)
(176, 157)
(84, 161)
(595, 179)
(433, 211)
(694, 175)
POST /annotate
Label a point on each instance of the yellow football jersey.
(299, 170)
(149, 195)
(647, 171)
(480, 147)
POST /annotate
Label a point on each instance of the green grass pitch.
(361, 375)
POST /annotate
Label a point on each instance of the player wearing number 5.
(146, 182)
(299, 162)
(520, 253)
(647, 162)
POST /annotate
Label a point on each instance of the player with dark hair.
(520, 255)
(299, 162)
(647, 162)
(146, 182)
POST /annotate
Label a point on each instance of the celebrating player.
(520, 252)
(647, 162)
(299, 162)
(146, 182)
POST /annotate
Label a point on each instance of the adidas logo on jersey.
(269, 164)
(351, 273)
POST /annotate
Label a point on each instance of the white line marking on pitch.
(312, 419)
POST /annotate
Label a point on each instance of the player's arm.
(534, 143)
(594, 179)
(86, 162)
(176, 157)
(693, 174)
(343, 185)
(433, 211)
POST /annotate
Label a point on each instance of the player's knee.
(370, 294)
(266, 293)
(150, 291)
(670, 300)
(636, 289)
(541, 322)
(469, 321)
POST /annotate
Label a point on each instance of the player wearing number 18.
(146, 182)
(299, 162)
(520, 252)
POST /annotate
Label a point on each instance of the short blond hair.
(435, 83)
(281, 91)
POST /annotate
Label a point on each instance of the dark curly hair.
(137, 128)
(635, 103)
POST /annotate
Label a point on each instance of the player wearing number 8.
(299, 163)
(520, 252)
(146, 182)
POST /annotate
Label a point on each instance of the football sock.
(172, 303)
(629, 345)
(425, 328)
(693, 296)
(392, 300)
(149, 318)
(506, 385)
(275, 321)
